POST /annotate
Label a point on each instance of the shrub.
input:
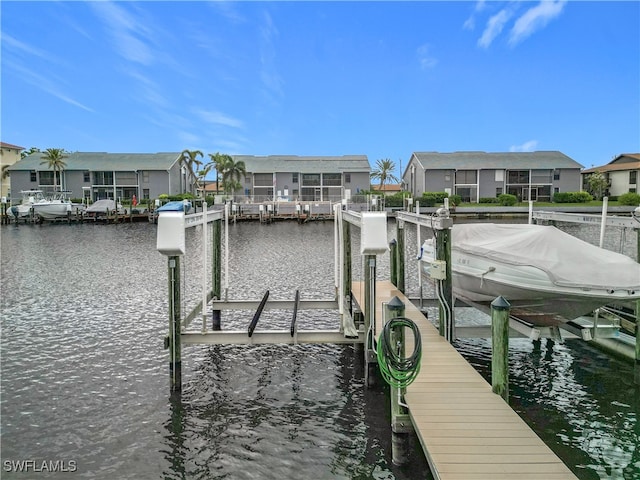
(455, 200)
(430, 199)
(489, 200)
(396, 200)
(507, 199)
(629, 199)
(572, 197)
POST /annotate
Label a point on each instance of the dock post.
(216, 270)
(175, 360)
(500, 347)
(400, 421)
(370, 355)
(443, 252)
(346, 265)
(637, 364)
(400, 256)
(393, 261)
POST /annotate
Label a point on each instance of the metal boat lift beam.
(240, 337)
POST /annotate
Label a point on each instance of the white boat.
(58, 205)
(101, 208)
(537, 268)
(29, 198)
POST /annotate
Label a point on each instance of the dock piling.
(500, 347)
(216, 271)
(370, 357)
(401, 424)
(175, 360)
(400, 256)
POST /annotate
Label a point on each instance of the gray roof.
(484, 160)
(97, 161)
(304, 164)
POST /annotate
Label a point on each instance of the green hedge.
(572, 197)
(430, 199)
(507, 200)
(629, 199)
(489, 200)
(396, 200)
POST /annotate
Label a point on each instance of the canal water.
(85, 388)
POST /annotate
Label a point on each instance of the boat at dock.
(24, 208)
(538, 269)
(58, 205)
(103, 208)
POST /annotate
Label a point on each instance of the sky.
(381, 79)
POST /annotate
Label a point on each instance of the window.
(86, 176)
(145, 193)
(556, 174)
(498, 191)
(499, 176)
(518, 177)
(311, 179)
(263, 179)
(46, 178)
(332, 179)
(347, 178)
(541, 176)
(465, 177)
(103, 178)
(126, 178)
(34, 177)
(294, 177)
(145, 177)
(633, 177)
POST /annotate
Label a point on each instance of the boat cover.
(567, 260)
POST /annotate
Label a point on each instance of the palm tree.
(218, 160)
(232, 172)
(189, 158)
(54, 158)
(384, 172)
(26, 153)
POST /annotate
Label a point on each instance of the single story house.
(476, 175)
(304, 178)
(96, 176)
(9, 154)
(622, 173)
(387, 189)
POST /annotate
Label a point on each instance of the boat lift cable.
(397, 370)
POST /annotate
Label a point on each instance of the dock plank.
(466, 431)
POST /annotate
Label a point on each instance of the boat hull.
(480, 274)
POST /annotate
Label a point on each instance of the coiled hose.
(397, 371)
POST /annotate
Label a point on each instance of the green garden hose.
(398, 371)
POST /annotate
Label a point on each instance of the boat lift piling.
(500, 347)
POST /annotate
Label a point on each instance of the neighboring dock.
(465, 429)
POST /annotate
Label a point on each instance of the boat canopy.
(567, 260)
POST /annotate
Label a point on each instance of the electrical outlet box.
(438, 270)
(170, 236)
(373, 233)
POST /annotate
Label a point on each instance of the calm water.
(85, 376)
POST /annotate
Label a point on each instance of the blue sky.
(383, 79)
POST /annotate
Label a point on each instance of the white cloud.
(494, 27)
(425, 58)
(529, 146)
(45, 84)
(126, 32)
(470, 23)
(534, 19)
(218, 118)
(268, 71)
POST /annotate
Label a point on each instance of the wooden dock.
(466, 431)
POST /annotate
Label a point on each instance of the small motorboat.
(24, 208)
(58, 205)
(537, 268)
